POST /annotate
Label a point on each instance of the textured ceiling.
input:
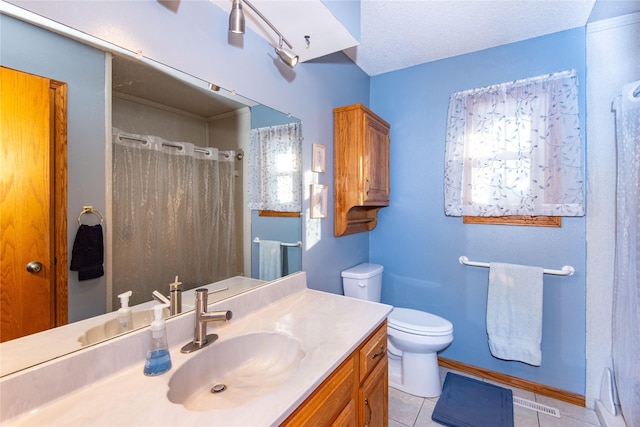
(400, 34)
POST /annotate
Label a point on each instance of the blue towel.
(514, 312)
(270, 260)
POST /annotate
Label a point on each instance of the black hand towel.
(88, 252)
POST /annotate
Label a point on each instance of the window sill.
(280, 214)
(533, 221)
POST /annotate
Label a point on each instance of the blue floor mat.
(466, 402)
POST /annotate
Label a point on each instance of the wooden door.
(32, 204)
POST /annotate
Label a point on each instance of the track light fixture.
(236, 18)
(236, 26)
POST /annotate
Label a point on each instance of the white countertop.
(329, 327)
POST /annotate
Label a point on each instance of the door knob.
(34, 267)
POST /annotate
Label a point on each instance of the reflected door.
(28, 223)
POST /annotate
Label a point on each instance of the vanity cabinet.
(361, 168)
(355, 394)
(374, 380)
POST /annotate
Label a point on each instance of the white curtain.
(173, 215)
(275, 181)
(626, 308)
(514, 149)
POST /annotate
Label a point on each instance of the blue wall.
(419, 246)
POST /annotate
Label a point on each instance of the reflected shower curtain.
(173, 215)
(626, 306)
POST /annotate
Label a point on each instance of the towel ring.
(90, 210)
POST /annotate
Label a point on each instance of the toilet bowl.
(414, 337)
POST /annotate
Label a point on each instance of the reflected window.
(275, 171)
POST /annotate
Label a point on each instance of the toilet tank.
(364, 281)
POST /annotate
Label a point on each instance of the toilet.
(414, 337)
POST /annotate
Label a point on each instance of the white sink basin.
(110, 328)
(247, 365)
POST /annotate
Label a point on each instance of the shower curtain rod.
(238, 156)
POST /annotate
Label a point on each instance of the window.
(514, 149)
(275, 182)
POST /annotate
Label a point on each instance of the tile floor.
(406, 410)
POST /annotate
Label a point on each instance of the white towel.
(514, 312)
(270, 260)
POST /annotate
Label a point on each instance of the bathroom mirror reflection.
(147, 99)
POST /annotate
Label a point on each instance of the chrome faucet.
(174, 300)
(202, 317)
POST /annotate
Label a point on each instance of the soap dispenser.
(158, 357)
(125, 321)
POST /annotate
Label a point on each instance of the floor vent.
(534, 406)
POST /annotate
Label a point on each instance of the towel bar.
(89, 210)
(290, 245)
(567, 270)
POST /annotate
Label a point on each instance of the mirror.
(136, 87)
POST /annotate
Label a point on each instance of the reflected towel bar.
(567, 270)
(289, 245)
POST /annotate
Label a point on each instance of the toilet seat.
(418, 322)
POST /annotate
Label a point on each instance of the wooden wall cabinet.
(361, 168)
(355, 394)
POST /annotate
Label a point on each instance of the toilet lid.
(418, 322)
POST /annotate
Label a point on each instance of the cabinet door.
(373, 397)
(376, 167)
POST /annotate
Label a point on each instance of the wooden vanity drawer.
(329, 402)
(373, 351)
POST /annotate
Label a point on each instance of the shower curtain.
(626, 306)
(173, 215)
